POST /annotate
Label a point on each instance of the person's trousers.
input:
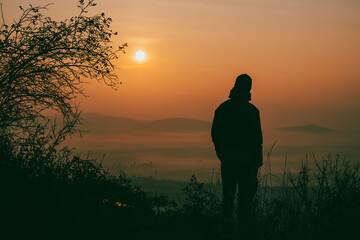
(245, 178)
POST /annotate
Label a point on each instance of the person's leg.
(247, 187)
(229, 188)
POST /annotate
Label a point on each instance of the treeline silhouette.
(78, 198)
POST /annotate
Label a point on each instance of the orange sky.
(303, 56)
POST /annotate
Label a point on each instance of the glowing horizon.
(303, 57)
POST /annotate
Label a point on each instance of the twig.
(2, 13)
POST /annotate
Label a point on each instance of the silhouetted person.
(237, 137)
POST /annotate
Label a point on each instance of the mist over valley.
(176, 148)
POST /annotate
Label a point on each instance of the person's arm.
(259, 139)
(215, 133)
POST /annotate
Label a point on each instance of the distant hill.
(312, 128)
(97, 124)
(175, 125)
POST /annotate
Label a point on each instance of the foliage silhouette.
(44, 64)
(320, 201)
(198, 200)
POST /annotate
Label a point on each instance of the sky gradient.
(303, 56)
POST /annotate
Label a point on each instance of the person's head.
(242, 87)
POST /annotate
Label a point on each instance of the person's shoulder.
(223, 105)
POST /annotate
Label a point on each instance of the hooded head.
(242, 87)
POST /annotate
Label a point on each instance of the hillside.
(97, 124)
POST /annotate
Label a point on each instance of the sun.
(140, 56)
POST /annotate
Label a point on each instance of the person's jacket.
(236, 133)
